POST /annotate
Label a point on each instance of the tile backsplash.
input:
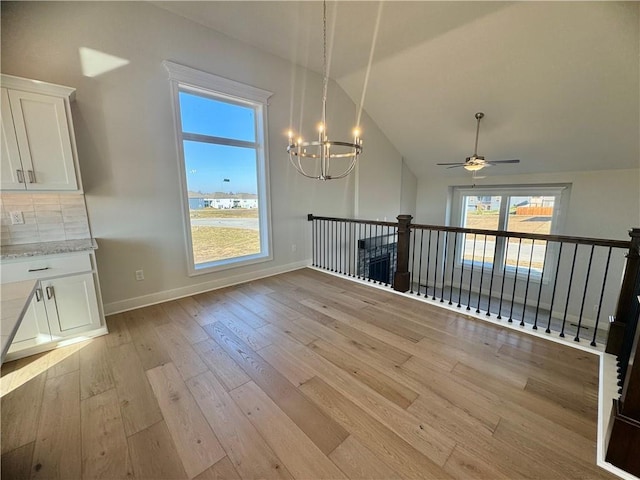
(47, 218)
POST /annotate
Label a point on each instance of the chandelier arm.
(301, 170)
(346, 172)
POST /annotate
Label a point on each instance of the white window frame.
(559, 191)
(187, 79)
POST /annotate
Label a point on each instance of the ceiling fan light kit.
(477, 162)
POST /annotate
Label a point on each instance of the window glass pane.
(222, 186)
(207, 116)
(529, 214)
(481, 212)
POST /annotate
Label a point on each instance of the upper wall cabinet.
(38, 144)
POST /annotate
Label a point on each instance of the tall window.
(221, 131)
(535, 209)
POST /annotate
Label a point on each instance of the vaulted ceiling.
(558, 81)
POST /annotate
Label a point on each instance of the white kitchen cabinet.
(38, 151)
(71, 304)
(67, 303)
(34, 329)
(10, 164)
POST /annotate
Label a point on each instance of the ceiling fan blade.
(453, 163)
(457, 166)
(493, 162)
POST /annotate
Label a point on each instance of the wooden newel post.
(402, 276)
(627, 309)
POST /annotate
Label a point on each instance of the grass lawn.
(217, 243)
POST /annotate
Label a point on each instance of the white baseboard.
(167, 295)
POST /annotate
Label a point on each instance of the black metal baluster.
(453, 264)
(412, 241)
(378, 253)
(555, 285)
(321, 243)
(604, 282)
(526, 290)
(368, 251)
(329, 245)
(504, 275)
(343, 253)
(473, 261)
(544, 266)
(327, 259)
(420, 264)
(484, 251)
(435, 270)
(584, 294)
(426, 285)
(338, 246)
(515, 281)
(493, 264)
(358, 249)
(464, 249)
(444, 263)
(566, 306)
(313, 242)
(326, 244)
(392, 263)
(347, 231)
(353, 250)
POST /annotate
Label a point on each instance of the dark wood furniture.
(623, 449)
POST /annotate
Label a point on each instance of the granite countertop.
(10, 252)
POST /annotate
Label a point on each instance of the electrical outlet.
(16, 218)
(139, 275)
(294, 247)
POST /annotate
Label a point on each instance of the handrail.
(311, 217)
(599, 242)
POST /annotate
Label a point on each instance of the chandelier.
(322, 151)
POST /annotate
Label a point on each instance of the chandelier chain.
(325, 77)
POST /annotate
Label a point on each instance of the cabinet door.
(11, 171)
(34, 328)
(72, 305)
(44, 141)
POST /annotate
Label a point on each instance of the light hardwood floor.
(306, 376)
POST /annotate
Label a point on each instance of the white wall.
(603, 203)
(379, 177)
(125, 136)
(408, 191)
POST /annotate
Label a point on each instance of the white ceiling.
(559, 82)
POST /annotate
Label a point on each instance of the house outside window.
(221, 136)
(523, 209)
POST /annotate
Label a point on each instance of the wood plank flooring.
(301, 376)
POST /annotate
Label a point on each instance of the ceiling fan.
(477, 162)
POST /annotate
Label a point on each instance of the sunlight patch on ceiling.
(95, 62)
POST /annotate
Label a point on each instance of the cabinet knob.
(20, 175)
(32, 176)
(38, 294)
(49, 292)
